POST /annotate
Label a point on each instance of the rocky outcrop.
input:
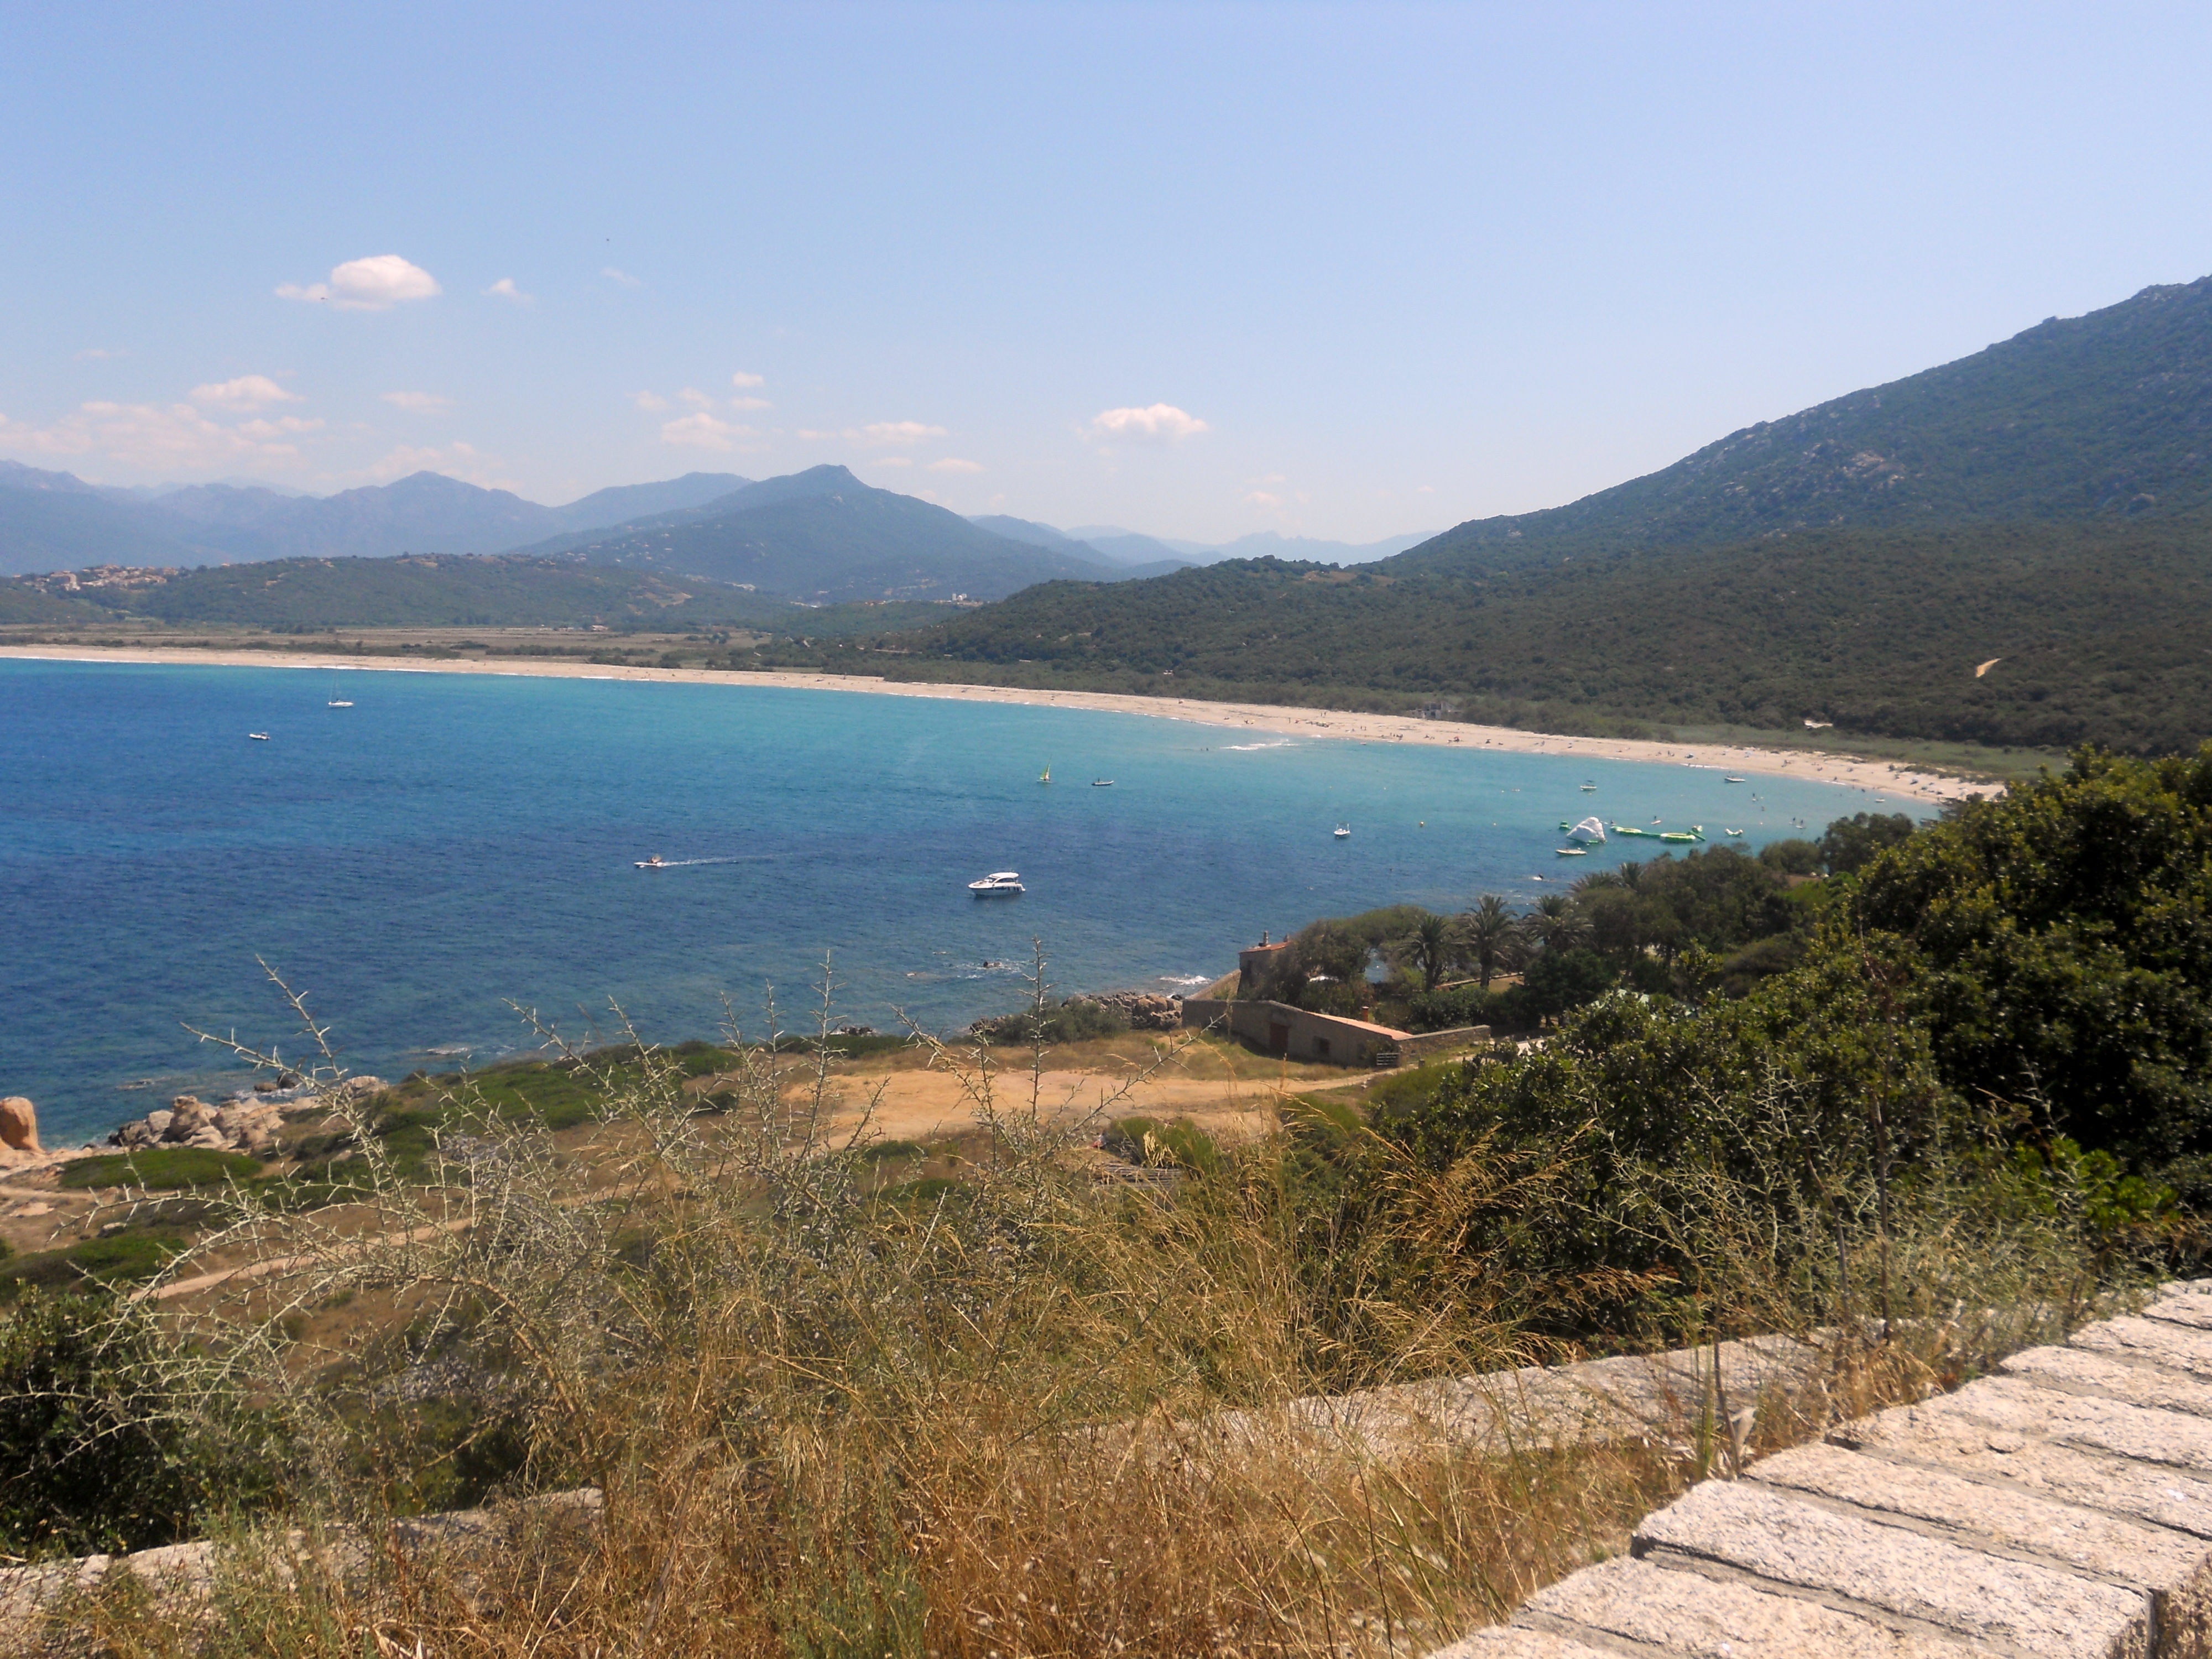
(1148, 1010)
(19, 1126)
(246, 1122)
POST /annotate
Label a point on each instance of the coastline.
(1892, 782)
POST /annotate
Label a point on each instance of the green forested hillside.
(822, 535)
(2105, 416)
(2104, 634)
(422, 592)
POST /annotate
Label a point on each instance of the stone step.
(2063, 1507)
(1781, 1539)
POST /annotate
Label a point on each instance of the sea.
(449, 866)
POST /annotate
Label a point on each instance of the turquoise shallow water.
(453, 841)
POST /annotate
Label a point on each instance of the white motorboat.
(1344, 832)
(656, 862)
(1000, 884)
(1102, 783)
(1571, 852)
(258, 737)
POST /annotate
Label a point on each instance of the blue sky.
(1199, 270)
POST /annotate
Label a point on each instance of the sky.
(1199, 270)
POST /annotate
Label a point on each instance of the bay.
(454, 842)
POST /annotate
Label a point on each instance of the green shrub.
(1178, 1145)
(159, 1169)
(1851, 844)
(1078, 1019)
(99, 1451)
(1794, 857)
(124, 1258)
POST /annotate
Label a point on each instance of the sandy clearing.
(1882, 778)
(923, 1105)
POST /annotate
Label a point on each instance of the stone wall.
(2063, 1506)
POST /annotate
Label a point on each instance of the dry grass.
(831, 1419)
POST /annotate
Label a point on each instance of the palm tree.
(1429, 948)
(1555, 924)
(1488, 932)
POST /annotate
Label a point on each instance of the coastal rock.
(247, 1128)
(248, 1121)
(18, 1124)
(188, 1115)
(1148, 1010)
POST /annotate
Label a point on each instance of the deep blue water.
(453, 841)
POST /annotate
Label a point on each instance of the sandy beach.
(1884, 783)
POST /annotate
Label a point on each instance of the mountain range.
(56, 521)
(1155, 556)
(2015, 548)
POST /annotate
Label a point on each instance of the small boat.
(1046, 776)
(1343, 832)
(1732, 780)
(656, 862)
(1102, 783)
(340, 702)
(1736, 834)
(258, 737)
(1589, 789)
(1000, 884)
(1571, 852)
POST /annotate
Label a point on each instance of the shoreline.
(1892, 781)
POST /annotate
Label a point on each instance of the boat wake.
(1247, 748)
(691, 864)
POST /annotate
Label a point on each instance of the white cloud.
(98, 354)
(151, 438)
(697, 398)
(622, 277)
(418, 403)
(743, 381)
(504, 288)
(1426, 489)
(1261, 498)
(952, 463)
(703, 431)
(376, 283)
(750, 402)
(245, 393)
(1157, 423)
(650, 402)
